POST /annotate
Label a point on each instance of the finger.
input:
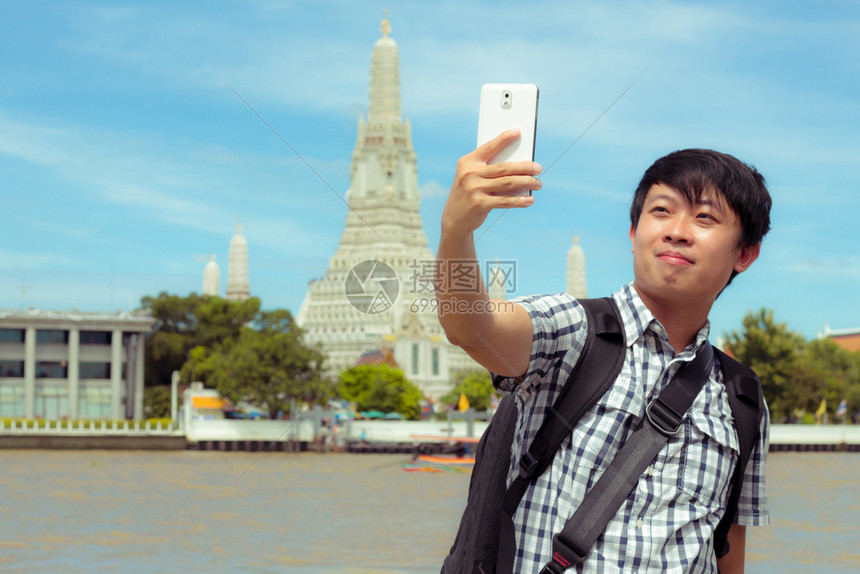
(511, 201)
(487, 151)
(519, 185)
(512, 168)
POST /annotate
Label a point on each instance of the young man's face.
(684, 253)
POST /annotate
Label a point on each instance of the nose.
(679, 230)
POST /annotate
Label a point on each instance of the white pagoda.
(576, 285)
(237, 268)
(211, 278)
(377, 291)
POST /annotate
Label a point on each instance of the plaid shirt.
(666, 523)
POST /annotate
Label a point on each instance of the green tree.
(267, 365)
(184, 323)
(476, 384)
(381, 388)
(795, 374)
(835, 373)
(773, 352)
(156, 402)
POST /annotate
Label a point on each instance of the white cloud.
(827, 268)
(583, 57)
(24, 261)
(307, 59)
(120, 170)
(619, 196)
(433, 189)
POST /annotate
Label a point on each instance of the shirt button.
(639, 523)
(649, 471)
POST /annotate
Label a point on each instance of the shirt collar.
(637, 318)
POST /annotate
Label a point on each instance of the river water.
(84, 511)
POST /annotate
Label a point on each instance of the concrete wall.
(90, 442)
(265, 430)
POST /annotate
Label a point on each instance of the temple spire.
(237, 267)
(576, 285)
(386, 26)
(384, 168)
(384, 78)
(211, 278)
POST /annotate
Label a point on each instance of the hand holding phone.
(479, 188)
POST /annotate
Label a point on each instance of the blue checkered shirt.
(666, 523)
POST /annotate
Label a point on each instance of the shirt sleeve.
(752, 505)
(558, 330)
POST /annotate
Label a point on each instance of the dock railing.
(86, 426)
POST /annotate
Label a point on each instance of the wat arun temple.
(376, 297)
(366, 302)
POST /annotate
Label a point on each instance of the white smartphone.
(506, 106)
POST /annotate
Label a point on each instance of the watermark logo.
(371, 286)
(445, 307)
(501, 274)
(461, 276)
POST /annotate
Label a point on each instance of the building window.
(95, 337)
(414, 358)
(11, 335)
(52, 336)
(12, 369)
(94, 402)
(12, 401)
(94, 370)
(52, 370)
(51, 402)
(435, 360)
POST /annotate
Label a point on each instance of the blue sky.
(126, 160)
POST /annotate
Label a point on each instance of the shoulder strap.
(663, 419)
(598, 366)
(747, 403)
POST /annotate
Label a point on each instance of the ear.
(746, 256)
(633, 236)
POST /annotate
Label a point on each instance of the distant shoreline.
(397, 439)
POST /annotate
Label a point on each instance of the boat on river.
(439, 463)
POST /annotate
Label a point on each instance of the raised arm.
(497, 334)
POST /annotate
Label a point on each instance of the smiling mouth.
(675, 257)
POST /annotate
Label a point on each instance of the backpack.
(491, 503)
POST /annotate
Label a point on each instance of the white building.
(576, 286)
(212, 278)
(391, 298)
(237, 268)
(73, 365)
(238, 286)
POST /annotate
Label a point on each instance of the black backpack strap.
(663, 419)
(747, 403)
(597, 368)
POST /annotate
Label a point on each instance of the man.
(698, 218)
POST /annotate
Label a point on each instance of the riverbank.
(363, 436)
